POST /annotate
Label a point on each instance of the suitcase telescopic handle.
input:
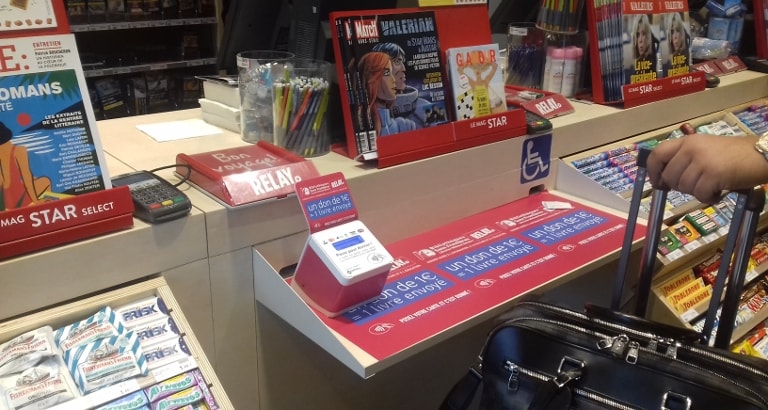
(648, 256)
(736, 254)
(749, 204)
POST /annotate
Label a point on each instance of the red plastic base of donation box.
(340, 269)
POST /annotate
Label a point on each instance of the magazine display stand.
(440, 139)
(669, 87)
(57, 129)
(607, 55)
(66, 220)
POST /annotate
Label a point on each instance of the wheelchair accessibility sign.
(534, 163)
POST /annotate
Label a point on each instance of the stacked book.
(220, 105)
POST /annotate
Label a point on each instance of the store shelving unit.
(69, 313)
(687, 255)
(93, 70)
(171, 52)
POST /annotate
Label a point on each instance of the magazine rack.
(607, 64)
(41, 30)
(453, 136)
(663, 88)
(63, 221)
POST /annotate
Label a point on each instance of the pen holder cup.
(560, 16)
(300, 107)
(525, 55)
(257, 70)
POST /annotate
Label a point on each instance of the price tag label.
(689, 315)
(175, 368)
(723, 231)
(122, 70)
(693, 245)
(109, 393)
(675, 255)
(709, 238)
(751, 275)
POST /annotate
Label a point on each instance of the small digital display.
(349, 242)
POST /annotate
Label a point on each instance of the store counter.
(207, 258)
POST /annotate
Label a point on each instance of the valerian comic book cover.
(394, 74)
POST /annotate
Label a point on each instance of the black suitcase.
(542, 356)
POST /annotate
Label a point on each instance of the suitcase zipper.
(654, 340)
(618, 345)
(515, 372)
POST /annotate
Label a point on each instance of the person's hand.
(706, 165)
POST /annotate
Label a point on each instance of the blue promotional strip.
(329, 206)
(486, 258)
(399, 294)
(560, 229)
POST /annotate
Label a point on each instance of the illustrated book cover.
(49, 144)
(393, 74)
(476, 80)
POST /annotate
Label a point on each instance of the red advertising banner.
(326, 201)
(668, 87)
(444, 277)
(63, 221)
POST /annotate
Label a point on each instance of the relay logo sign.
(486, 258)
(398, 294)
(534, 163)
(560, 229)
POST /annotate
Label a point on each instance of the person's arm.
(22, 159)
(706, 165)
